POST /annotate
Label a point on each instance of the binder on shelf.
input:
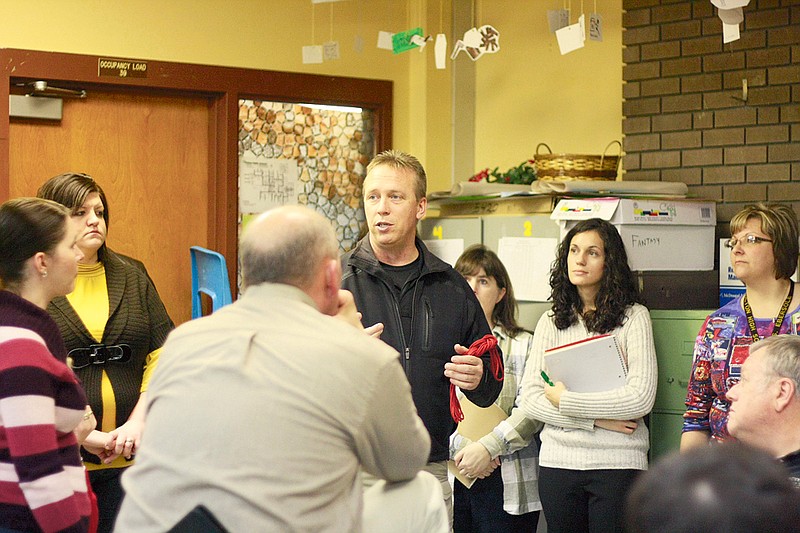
(595, 364)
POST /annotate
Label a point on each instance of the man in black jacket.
(428, 312)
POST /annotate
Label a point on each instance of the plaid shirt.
(512, 439)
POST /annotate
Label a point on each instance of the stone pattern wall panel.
(331, 147)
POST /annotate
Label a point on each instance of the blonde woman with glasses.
(764, 250)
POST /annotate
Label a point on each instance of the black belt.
(100, 354)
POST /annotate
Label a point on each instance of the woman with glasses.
(113, 325)
(42, 482)
(764, 249)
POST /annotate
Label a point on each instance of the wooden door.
(150, 155)
(168, 156)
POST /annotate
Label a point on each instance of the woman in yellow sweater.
(113, 325)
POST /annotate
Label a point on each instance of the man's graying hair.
(289, 256)
(782, 356)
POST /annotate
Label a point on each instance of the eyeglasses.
(746, 240)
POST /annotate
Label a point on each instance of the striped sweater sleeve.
(41, 475)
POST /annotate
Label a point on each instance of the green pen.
(546, 379)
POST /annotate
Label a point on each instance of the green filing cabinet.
(674, 334)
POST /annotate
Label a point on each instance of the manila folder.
(478, 421)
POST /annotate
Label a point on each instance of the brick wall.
(682, 120)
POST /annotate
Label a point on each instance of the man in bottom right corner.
(735, 487)
(765, 404)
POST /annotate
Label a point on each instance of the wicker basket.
(568, 167)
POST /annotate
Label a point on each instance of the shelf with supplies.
(481, 205)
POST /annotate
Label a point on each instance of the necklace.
(751, 322)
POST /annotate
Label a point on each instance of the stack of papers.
(611, 188)
(468, 190)
(482, 189)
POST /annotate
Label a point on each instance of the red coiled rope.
(486, 344)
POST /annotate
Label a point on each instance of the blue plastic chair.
(209, 276)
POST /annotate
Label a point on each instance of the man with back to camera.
(265, 411)
(765, 404)
(429, 313)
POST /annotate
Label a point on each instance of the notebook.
(595, 364)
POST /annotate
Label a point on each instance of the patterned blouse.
(721, 348)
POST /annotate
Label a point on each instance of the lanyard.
(778, 319)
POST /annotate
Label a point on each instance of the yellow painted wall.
(259, 34)
(433, 125)
(525, 94)
(529, 93)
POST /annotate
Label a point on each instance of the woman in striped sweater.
(42, 482)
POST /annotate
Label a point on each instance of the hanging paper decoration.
(312, 54)
(478, 41)
(420, 41)
(595, 24)
(572, 37)
(731, 14)
(557, 19)
(385, 40)
(401, 42)
(440, 51)
(595, 27)
(330, 50)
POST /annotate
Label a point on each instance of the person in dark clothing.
(113, 324)
(428, 312)
(724, 488)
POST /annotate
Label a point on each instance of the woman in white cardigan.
(593, 444)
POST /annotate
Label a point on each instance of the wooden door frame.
(222, 86)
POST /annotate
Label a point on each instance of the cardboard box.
(659, 234)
